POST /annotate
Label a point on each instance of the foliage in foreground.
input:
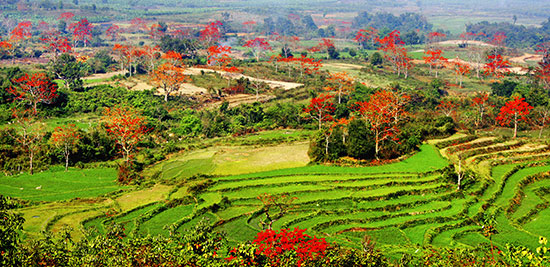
(202, 246)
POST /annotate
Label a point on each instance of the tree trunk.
(31, 156)
(459, 175)
(376, 145)
(66, 162)
(515, 125)
(166, 96)
(542, 126)
(327, 139)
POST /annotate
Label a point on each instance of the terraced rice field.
(400, 205)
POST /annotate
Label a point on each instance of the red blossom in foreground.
(272, 245)
(514, 111)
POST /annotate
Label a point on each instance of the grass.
(399, 205)
(157, 224)
(228, 160)
(55, 185)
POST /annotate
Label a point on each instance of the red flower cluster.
(273, 244)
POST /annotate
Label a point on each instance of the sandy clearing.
(344, 65)
(526, 57)
(470, 42)
(104, 75)
(272, 83)
(516, 70)
(237, 99)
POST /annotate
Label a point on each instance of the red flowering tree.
(249, 26)
(7, 47)
(496, 66)
(288, 43)
(395, 53)
(403, 61)
(34, 89)
(341, 84)
(156, 31)
(481, 105)
(127, 127)
(307, 65)
(82, 31)
(275, 207)
(21, 32)
(128, 56)
(258, 46)
(460, 69)
(168, 78)
(175, 58)
(66, 138)
(274, 245)
(138, 24)
(434, 59)
(542, 73)
(54, 43)
(43, 27)
(541, 118)
(29, 133)
(219, 55)
(66, 16)
(514, 111)
(434, 38)
(383, 112)
(447, 107)
(466, 37)
(211, 33)
(151, 54)
(323, 46)
(112, 32)
(498, 41)
(363, 36)
(320, 108)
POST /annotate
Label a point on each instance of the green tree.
(360, 141)
(10, 224)
(68, 69)
(376, 59)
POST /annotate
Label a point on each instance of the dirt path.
(345, 66)
(516, 70)
(470, 42)
(272, 83)
(526, 57)
(104, 75)
(237, 99)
